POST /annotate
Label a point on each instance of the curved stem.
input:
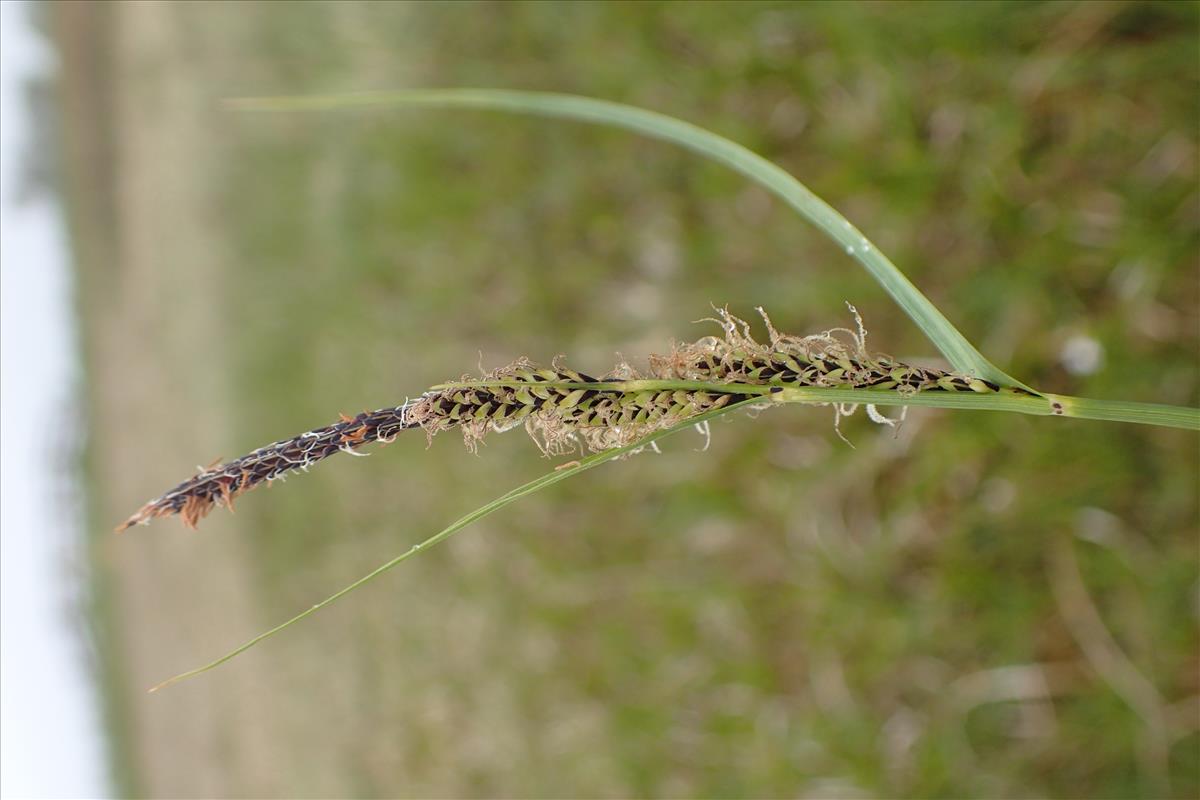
(948, 339)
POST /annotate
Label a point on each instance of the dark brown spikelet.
(561, 419)
(196, 496)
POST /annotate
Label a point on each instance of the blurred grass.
(781, 615)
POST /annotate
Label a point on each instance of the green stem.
(1122, 411)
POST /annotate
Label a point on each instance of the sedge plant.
(626, 410)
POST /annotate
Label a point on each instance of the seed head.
(565, 419)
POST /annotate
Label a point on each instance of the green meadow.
(979, 605)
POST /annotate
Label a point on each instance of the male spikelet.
(561, 419)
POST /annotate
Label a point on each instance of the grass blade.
(961, 354)
(536, 485)
(1124, 411)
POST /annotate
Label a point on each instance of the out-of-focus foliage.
(780, 615)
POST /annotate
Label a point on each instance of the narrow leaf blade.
(536, 485)
(961, 354)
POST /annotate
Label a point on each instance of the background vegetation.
(983, 605)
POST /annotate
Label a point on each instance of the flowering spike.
(565, 419)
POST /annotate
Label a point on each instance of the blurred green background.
(984, 605)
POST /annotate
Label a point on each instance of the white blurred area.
(51, 744)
